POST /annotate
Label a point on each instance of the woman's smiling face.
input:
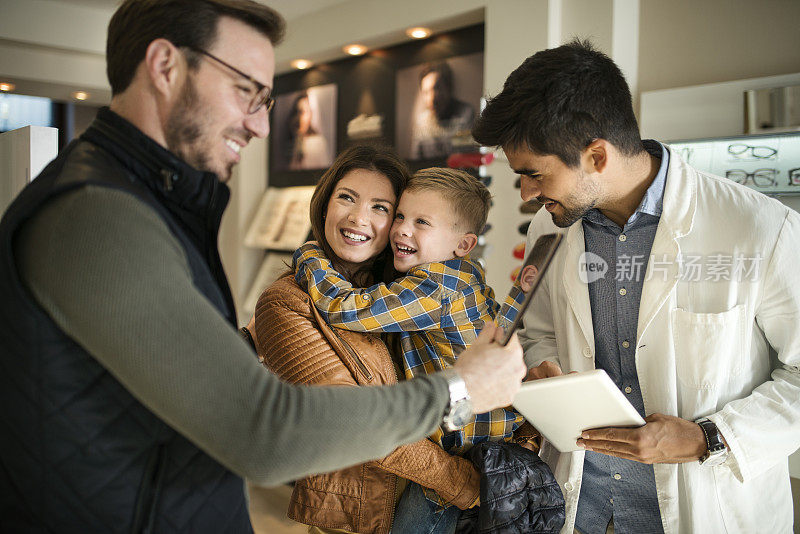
(359, 216)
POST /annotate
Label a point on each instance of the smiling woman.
(358, 217)
(351, 213)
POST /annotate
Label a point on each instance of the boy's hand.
(309, 248)
(546, 369)
(492, 373)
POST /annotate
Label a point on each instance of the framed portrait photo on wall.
(437, 102)
(304, 129)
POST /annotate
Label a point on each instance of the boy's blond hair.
(468, 197)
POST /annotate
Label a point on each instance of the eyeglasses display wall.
(767, 163)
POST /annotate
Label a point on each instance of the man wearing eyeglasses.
(129, 403)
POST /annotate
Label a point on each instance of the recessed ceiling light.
(418, 33)
(301, 64)
(7, 86)
(355, 49)
(81, 95)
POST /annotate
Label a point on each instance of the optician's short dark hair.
(189, 23)
(560, 100)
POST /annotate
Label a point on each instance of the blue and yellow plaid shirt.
(437, 309)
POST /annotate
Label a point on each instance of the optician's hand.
(664, 439)
(492, 373)
(545, 369)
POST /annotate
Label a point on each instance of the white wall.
(588, 20)
(692, 42)
(23, 154)
(511, 36)
(247, 185)
(698, 111)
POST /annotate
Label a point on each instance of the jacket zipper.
(395, 501)
(359, 363)
(144, 516)
(210, 238)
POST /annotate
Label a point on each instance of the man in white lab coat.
(681, 285)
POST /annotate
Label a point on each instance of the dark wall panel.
(368, 81)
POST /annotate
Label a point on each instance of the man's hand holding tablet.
(663, 438)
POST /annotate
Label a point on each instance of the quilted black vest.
(77, 452)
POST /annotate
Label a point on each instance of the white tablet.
(564, 406)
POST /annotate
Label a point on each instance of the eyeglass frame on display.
(794, 174)
(752, 176)
(752, 150)
(265, 98)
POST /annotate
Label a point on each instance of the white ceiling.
(290, 9)
(105, 4)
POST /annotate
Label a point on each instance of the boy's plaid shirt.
(437, 309)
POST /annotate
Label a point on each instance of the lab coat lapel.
(576, 290)
(677, 217)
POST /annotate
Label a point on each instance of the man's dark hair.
(442, 69)
(560, 100)
(190, 23)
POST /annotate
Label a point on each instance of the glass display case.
(769, 163)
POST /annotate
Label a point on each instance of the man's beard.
(571, 215)
(580, 203)
(185, 129)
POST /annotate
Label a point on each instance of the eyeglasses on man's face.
(760, 177)
(261, 97)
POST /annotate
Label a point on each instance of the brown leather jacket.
(296, 343)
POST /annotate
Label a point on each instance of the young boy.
(441, 303)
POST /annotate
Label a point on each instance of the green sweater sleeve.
(106, 268)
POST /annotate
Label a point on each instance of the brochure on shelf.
(282, 219)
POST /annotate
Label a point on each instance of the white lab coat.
(703, 349)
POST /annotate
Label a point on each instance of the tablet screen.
(536, 263)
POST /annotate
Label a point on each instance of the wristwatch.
(459, 411)
(717, 452)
